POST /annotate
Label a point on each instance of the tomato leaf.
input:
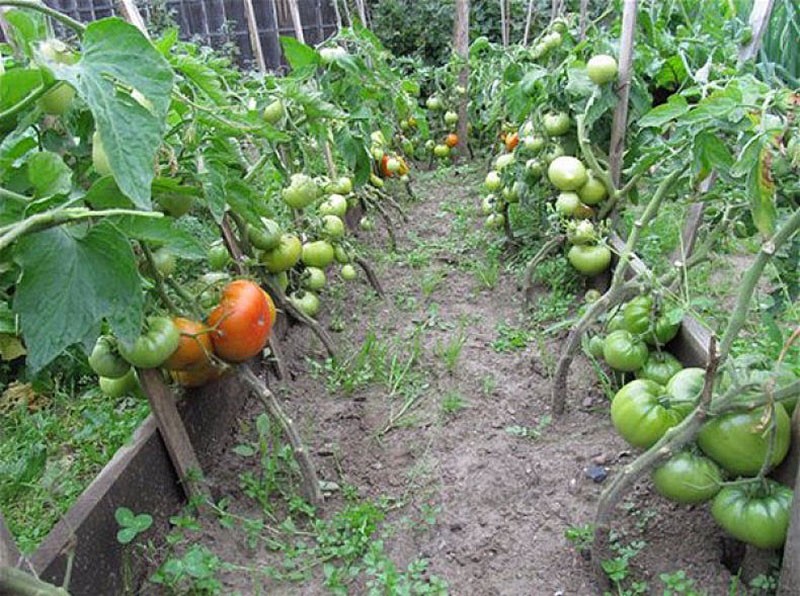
(761, 190)
(69, 284)
(117, 56)
(675, 107)
(48, 174)
(710, 153)
(298, 54)
(27, 27)
(17, 84)
(164, 231)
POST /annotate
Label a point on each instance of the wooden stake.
(294, 9)
(362, 12)
(759, 21)
(584, 17)
(176, 439)
(528, 19)
(620, 124)
(503, 24)
(130, 13)
(338, 15)
(255, 40)
(461, 47)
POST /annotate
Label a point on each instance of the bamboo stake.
(255, 40)
(620, 124)
(584, 18)
(362, 12)
(503, 27)
(461, 47)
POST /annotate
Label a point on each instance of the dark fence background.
(222, 24)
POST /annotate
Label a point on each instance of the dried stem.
(544, 251)
(371, 277)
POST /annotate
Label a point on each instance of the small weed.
(510, 339)
(487, 273)
(193, 573)
(618, 568)
(678, 583)
(453, 402)
(430, 282)
(450, 351)
(488, 384)
(581, 537)
(526, 432)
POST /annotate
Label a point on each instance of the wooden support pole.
(130, 13)
(503, 23)
(759, 21)
(528, 19)
(337, 14)
(461, 47)
(620, 124)
(255, 40)
(789, 582)
(9, 553)
(294, 10)
(362, 12)
(584, 18)
(173, 432)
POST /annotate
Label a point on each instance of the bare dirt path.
(434, 434)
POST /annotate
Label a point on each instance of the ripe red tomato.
(241, 323)
(194, 347)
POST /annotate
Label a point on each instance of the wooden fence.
(219, 22)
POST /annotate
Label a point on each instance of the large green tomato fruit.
(493, 182)
(151, 349)
(755, 513)
(301, 192)
(739, 441)
(314, 279)
(274, 112)
(624, 352)
(602, 69)
(175, 204)
(595, 346)
(567, 173)
(450, 118)
(589, 260)
(285, 256)
(318, 254)
(556, 123)
(687, 385)
(335, 204)
(265, 237)
(638, 314)
(116, 388)
(99, 157)
(688, 478)
(593, 191)
(660, 367)
(57, 100)
(567, 203)
(105, 359)
(308, 303)
(642, 412)
(342, 186)
(333, 226)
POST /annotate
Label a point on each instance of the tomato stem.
(77, 26)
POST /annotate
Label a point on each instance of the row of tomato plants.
(695, 117)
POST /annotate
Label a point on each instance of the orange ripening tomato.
(512, 141)
(273, 312)
(451, 140)
(241, 323)
(198, 376)
(194, 347)
(404, 169)
(385, 166)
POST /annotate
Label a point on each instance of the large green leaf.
(116, 60)
(48, 174)
(710, 153)
(69, 284)
(675, 107)
(761, 190)
(27, 28)
(298, 54)
(163, 231)
(17, 84)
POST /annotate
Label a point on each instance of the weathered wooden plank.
(9, 553)
(255, 40)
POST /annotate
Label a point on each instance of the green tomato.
(317, 254)
(174, 204)
(506, 159)
(99, 156)
(756, 513)
(642, 411)
(688, 478)
(624, 352)
(307, 303)
(581, 232)
(274, 112)
(265, 237)
(340, 254)
(341, 186)
(164, 261)
(450, 118)
(533, 143)
(660, 367)
(615, 323)
(593, 191)
(493, 182)
(314, 279)
(488, 204)
(567, 203)
(596, 346)
(348, 272)
(116, 388)
(301, 192)
(554, 153)
(591, 296)
(282, 279)
(105, 359)
(159, 340)
(739, 441)
(57, 100)
(218, 257)
(333, 226)
(686, 385)
(433, 103)
(601, 69)
(366, 224)
(567, 173)
(495, 221)
(285, 256)
(638, 314)
(534, 167)
(589, 260)
(441, 151)
(335, 204)
(556, 124)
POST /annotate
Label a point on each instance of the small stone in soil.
(596, 473)
(588, 402)
(600, 460)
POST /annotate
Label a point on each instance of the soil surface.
(456, 446)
